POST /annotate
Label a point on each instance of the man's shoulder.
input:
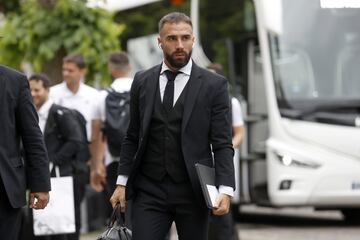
(120, 85)
(141, 76)
(90, 90)
(209, 74)
(11, 73)
(149, 71)
(57, 89)
(103, 93)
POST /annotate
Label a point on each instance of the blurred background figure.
(223, 227)
(108, 138)
(62, 134)
(73, 93)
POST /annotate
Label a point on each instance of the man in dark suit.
(176, 122)
(19, 121)
(61, 131)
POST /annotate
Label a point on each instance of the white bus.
(303, 112)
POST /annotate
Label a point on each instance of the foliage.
(144, 20)
(233, 19)
(6, 5)
(38, 34)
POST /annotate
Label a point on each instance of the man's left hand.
(38, 200)
(222, 204)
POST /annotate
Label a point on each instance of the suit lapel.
(194, 85)
(151, 86)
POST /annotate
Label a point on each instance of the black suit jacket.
(206, 126)
(19, 121)
(62, 138)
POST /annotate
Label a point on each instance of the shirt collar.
(80, 91)
(122, 84)
(44, 109)
(185, 69)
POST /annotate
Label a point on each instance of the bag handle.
(117, 216)
(57, 170)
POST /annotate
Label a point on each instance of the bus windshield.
(316, 55)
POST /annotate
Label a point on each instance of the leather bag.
(116, 229)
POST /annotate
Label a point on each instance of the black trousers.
(10, 218)
(111, 177)
(221, 227)
(158, 204)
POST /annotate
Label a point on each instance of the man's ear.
(84, 71)
(159, 42)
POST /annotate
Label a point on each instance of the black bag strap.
(110, 90)
(117, 216)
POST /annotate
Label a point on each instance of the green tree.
(231, 19)
(6, 5)
(143, 20)
(46, 30)
(234, 20)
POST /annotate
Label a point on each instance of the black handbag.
(116, 229)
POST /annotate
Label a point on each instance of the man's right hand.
(38, 200)
(98, 179)
(119, 197)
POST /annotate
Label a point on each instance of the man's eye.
(172, 38)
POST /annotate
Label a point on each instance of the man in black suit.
(19, 121)
(174, 124)
(61, 131)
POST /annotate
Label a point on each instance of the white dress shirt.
(236, 112)
(43, 114)
(179, 84)
(85, 100)
(119, 85)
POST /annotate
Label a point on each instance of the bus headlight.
(288, 160)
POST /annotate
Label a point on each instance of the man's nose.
(179, 44)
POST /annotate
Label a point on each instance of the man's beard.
(178, 63)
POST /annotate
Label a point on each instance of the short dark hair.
(174, 17)
(41, 77)
(78, 60)
(120, 60)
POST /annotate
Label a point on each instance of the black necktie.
(168, 99)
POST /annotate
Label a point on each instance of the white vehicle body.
(310, 53)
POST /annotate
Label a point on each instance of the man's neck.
(38, 107)
(116, 76)
(73, 87)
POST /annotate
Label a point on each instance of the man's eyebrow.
(178, 35)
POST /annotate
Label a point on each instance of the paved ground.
(286, 224)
